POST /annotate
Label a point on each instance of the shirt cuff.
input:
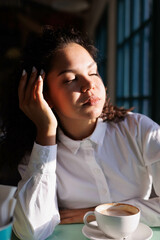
(43, 158)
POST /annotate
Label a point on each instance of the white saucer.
(143, 232)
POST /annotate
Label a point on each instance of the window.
(101, 44)
(134, 55)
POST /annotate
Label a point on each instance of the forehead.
(70, 55)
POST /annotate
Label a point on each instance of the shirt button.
(40, 166)
(41, 153)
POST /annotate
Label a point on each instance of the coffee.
(116, 212)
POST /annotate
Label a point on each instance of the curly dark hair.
(19, 132)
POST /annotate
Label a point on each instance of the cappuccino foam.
(114, 212)
(117, 211)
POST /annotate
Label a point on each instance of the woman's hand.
(33, 104)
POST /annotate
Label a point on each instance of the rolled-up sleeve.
(36, 212)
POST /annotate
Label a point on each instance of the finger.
(22, 86)
(33, 96)
(31, 82)
(39, 89)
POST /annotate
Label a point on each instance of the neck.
(78, 129)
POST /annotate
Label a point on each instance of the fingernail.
(33, 69)
(41, 72)
(23, 72)
(40, 78)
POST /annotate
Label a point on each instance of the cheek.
(52, 96)
(102, 90)
(73, 97)
(63, 101)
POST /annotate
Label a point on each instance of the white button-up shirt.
(119, 162)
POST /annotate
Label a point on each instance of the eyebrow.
(72, 70)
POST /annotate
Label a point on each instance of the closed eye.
(70, 81)
(94, 74)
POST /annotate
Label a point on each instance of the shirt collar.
(96, 137)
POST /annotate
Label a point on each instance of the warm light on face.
(76, 90)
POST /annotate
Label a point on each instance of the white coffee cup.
(116, 220)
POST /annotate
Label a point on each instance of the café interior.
(125, 32)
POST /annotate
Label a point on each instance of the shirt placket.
(96, 171)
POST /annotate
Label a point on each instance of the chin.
(94, 114)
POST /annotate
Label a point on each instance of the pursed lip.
(92, 100)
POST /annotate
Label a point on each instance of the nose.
(87, 84)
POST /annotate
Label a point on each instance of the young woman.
(78, 150)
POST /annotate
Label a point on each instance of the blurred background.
(126, 32)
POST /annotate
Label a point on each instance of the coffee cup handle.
(86, 222)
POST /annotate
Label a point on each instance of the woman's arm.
(36, 212)
(149, 141)
(75, 215)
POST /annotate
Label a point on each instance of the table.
(74, 232)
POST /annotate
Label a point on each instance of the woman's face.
(75, 89)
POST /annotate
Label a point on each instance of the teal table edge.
(74, 232)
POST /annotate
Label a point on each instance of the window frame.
(131, 98)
